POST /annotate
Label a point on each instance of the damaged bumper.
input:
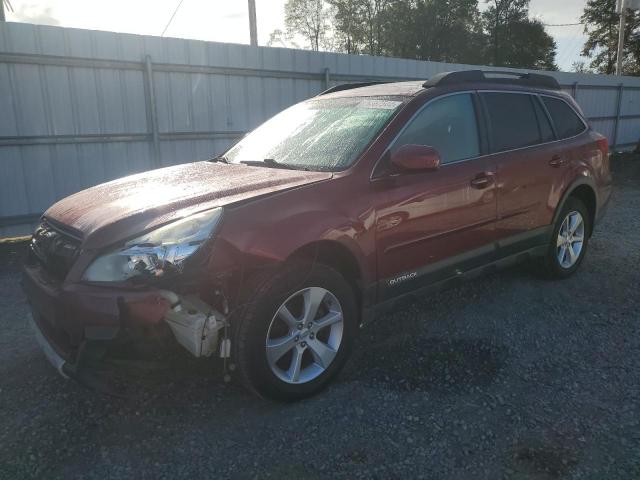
(49, 351)
(194, 324)
(70, 319)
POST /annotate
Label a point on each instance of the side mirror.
(416, 158)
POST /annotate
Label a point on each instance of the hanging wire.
(171, 19)
(562, 24)
(570, 49)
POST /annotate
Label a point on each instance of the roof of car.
(526, 80)
(380, 89)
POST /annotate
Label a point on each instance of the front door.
(434, 225)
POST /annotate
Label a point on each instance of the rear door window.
(567, 122)
(447, 124)
(513, 120)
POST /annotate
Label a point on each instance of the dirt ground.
(509, 376)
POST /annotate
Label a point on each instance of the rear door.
(524, 150)
(433, 224)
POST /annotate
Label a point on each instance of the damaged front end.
(150, 288)
(159, 258)
(196, 325)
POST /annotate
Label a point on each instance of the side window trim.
(482, 124)
(487, 121)
(543, 109)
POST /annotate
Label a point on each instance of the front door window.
(447, 124)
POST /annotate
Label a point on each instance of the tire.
(556, 264)
(264, 330)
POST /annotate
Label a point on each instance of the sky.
(227, 20)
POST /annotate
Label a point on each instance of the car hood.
(116, 210)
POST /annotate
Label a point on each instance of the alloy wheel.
(304, 335)
(570, 239)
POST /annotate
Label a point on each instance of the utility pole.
(253, 27)
(2, 18)
(621, 8)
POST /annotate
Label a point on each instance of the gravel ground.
(509, 376)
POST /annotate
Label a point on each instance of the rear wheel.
(569, 241)
(296, 333)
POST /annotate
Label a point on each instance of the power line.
(562, 24)
(171, 19)
(570, 50)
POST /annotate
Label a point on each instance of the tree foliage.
(439, 30)
(310, 19)
(515, 40)
(448, 31)
(602, 25)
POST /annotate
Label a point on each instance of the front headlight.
(157, 252)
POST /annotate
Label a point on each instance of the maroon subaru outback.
(271, 255)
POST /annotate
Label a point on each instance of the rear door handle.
(482, 180)
(557, 161)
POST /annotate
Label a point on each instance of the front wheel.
(296, 333)
(569, 240)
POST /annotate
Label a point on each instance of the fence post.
(327, 78)
(574, 92)
(152, 113)
(617, 123)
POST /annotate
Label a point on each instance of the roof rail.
(489, 76)
(348, 86)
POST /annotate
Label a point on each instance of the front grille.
(54, 249)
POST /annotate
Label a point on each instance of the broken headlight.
(157, 252)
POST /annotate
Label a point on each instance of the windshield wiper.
(267, 162)
(271, 163)
(220, 159)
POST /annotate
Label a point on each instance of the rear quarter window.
(567, 122)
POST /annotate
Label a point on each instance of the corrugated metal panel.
(598, 103)
(77, 106)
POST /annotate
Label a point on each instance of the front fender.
(276, 242)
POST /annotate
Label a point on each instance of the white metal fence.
(80, 107)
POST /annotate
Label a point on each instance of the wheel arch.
(337, 256)
(586, 193)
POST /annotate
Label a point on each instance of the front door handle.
(482, 180)
(557, 161)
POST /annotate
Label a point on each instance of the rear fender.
(584, 179)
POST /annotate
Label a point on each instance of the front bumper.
(69, 317)
(77, 369)
(604, 205)
(50, 352)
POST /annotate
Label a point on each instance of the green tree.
(441, 30)
(438, 30)
(360, 25)
(602, 27)
(347, 23)
(352, 23)
(308, 18)
(449, 31)
(515, 40)
(374, 16)
(580, 67)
